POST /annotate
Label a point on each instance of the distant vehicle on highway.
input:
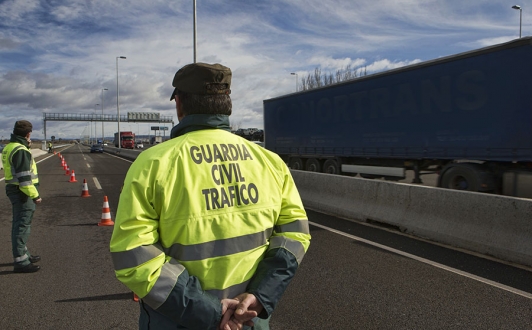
(156, 140)
(96, 148)
(126, 139)
(139, 145)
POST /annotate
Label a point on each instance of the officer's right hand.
(38, 200)
(248, 302)
(228, 322)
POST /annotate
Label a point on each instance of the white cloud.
(490, 41)
(62, 60)
(385, 64)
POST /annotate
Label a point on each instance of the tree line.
(319, 79)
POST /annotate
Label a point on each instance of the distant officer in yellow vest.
(22, 182)
(210, 228)
(50, 147)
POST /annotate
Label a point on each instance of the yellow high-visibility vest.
(27, 177)
(211, 208)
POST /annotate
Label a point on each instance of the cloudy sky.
(56, 56)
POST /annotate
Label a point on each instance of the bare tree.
(348, 73)
(329, 79)
(338, 76)
(234, 126)
(318, 79)
(310, 82)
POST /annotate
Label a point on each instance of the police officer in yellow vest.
(22, 182)
(210, 228)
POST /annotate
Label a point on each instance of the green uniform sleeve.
(189, 306)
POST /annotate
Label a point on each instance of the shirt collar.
(191, 123)
(19, 139)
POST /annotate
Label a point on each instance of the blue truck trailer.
(467, 117)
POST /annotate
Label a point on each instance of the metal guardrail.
(105, 118)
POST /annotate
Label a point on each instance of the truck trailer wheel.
(331, 166)
(313, 165)
(461, 177)
(296, 163)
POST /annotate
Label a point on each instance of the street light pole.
(194, 31)
(90, 133)
(517, 7)
(95, 139)
(117, 104)
(295, 74)
(103, 135)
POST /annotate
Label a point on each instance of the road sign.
(142, 116)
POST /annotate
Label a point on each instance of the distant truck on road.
(127, 140)
(156, 140)
(466, 117)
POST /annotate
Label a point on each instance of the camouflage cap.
(197, 78)
(22, 128)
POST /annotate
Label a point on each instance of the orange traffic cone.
(85, 189)
(106, 214)
(65, 166)
(72, 177)
(135, 297)
(67, 172)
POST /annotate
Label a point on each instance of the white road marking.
(428, 262)
(96, 183)
(127, 160)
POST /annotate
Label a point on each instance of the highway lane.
(346, 283)
(343, 282)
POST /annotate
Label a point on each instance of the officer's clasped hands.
(239, 311)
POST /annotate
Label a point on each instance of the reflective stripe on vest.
(135, 257)
(13, 178)
(218, 248)
(295, 247)
(141, 254)
(169, 273)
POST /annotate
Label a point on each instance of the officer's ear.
(179, 108)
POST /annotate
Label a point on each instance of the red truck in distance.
(127, 140)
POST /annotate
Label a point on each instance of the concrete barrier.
(126, 153)
(493, 225)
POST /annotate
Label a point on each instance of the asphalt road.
(346, 283)
(76, 288)
(382, 280)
